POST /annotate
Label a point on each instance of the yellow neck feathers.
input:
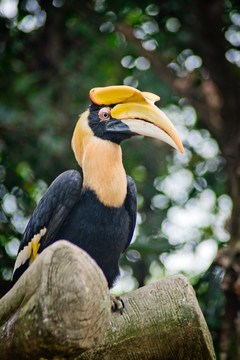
(81, 136)
(101, 161)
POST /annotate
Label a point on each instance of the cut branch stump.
(161, 321)
(60, 308)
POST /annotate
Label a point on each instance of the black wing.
(47, 218)
(131, 207)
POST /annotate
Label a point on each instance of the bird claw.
(117, 304)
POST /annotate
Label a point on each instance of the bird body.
(98, 212)
(106, 236)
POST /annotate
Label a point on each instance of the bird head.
(119, 112)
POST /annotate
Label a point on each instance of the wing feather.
(131, 207)
(47, 218)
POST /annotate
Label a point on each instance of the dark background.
(53, 53)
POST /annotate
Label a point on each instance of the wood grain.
(161, 321)
(60, 309)
(59, 306)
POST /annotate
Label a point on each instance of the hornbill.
(98, 212)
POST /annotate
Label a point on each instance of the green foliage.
(52, 54)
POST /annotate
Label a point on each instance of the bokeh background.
(53, 52)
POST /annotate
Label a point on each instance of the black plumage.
(98, 212)
(70, 213)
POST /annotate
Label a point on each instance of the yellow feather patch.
(101, 161)
(81, 136)
(29, 252)
(104, 172)
(34, 245)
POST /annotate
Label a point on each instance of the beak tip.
(181, 150)
(180, 146)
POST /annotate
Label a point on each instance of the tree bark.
(60, 307)
(160, 321)
(54, 309)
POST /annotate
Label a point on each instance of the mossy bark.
(60, 308)
(161, 321)
(54, 309)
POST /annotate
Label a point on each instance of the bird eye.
(104, 113)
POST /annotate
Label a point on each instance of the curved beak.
(137, 113)
(145, 118)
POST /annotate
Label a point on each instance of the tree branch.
(60, 307)
(160, 321)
